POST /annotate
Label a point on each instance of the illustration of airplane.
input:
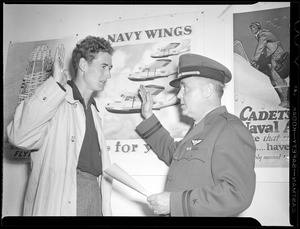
(158, 69)
(173, 48)
(264, 62)
(252, 82)
(239, 49)
(131, 103)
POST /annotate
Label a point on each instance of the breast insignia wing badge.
(196, 141)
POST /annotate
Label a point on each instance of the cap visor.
(175, 83)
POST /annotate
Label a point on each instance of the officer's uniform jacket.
(52, 124)
(211, 170)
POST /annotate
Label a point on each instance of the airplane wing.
(154, 89)
(252, 83)
(239, 49)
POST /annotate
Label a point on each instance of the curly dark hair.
(88, 48)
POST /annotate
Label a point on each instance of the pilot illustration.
(269, 58)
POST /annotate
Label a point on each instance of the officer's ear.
(209, 89)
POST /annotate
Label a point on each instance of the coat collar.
(74, 96)
(259, 33)
(206, 122)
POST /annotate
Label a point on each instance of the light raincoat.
(52, 124)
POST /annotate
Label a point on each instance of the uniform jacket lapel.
(200, 130)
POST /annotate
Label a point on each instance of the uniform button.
(75, 105)
(45, 98)
(69, 202)
(73, 139)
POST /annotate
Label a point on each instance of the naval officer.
(211, 170)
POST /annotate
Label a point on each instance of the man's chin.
(99, 89)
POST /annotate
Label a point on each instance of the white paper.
(116, 172)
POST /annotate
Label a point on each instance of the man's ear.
(82, 64)
(209, 90)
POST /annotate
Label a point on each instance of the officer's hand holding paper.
(119, 174)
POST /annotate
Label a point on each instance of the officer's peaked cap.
(196, 65)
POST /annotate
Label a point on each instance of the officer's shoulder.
(230, 118)
(232, 123)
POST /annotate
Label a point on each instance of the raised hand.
(147, 102)
(60, 74)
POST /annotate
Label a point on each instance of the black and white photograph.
(156, 113)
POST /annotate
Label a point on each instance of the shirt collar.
(77, 95)
(257, 34)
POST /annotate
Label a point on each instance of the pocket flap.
(198, 153)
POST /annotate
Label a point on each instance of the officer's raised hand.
(60, 74)
(147, 102)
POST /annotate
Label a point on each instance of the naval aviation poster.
(146, 53)
(261, 68)
(28, 65)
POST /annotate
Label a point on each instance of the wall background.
(42, 22)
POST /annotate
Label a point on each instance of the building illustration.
(37, 71)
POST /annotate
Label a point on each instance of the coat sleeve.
(33, 116)
(262, 43)
(160, 140)
(233, 175)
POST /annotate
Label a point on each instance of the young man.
(212, 168)
(61, 123)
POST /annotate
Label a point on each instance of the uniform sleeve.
(160, 140)
(233, 174)
(262, 43)
(32, 117)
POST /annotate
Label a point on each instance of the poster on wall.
(146, 53)
(28, 65)
(262, 73)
